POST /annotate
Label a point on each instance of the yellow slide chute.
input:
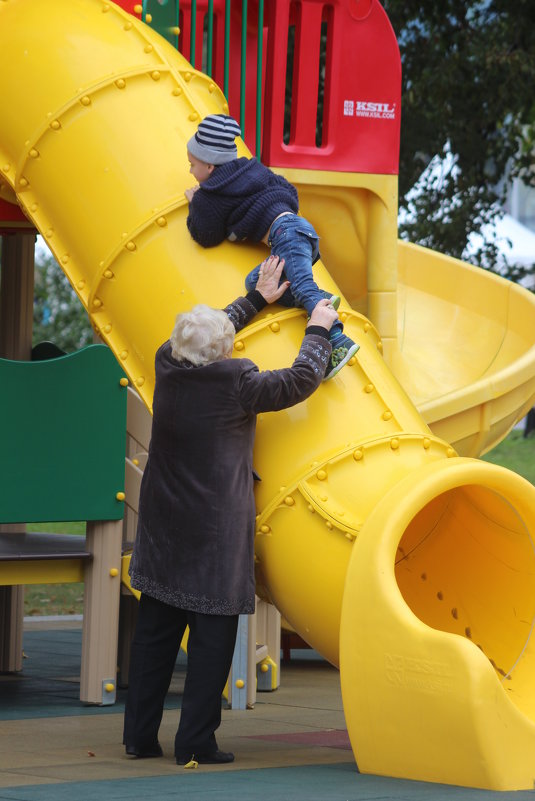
(412, 568)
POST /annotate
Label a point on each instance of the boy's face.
(199, 169)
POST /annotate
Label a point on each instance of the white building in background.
(521, 204)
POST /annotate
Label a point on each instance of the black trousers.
(157, 638)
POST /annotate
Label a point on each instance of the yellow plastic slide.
(410, 566)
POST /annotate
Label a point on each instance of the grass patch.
(55, 599)
(517, 453)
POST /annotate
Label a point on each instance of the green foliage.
(59, 317)
(468, 76)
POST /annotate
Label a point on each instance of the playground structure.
(63, 425)
(383, 546)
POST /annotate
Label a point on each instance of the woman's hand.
(323, 314)
(190, 192)
(269, 277)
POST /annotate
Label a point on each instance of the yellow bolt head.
(114, 572)
(240, 684)
(120, 496)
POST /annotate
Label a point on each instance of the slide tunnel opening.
(466, 565)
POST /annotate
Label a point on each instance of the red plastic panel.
(128, 5)
(361, 112)
(12, 219)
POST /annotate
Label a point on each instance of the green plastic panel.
(62, 438)
(164, 15)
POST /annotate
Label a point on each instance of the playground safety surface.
(293, 746)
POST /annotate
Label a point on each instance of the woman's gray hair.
(202, 336)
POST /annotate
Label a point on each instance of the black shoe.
(144, 753)
(213, 758)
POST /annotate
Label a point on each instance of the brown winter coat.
(194, 546)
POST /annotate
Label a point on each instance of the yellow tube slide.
(377, 543)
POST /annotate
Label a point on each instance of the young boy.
(238, 199)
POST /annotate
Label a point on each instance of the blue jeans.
(293, 239)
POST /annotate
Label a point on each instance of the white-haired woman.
(193, 558)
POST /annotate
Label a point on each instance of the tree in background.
(467, 106)
(58, 316)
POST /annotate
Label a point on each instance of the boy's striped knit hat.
(214, 141)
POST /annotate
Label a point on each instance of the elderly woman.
(193, 559)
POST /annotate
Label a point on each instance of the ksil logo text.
(366, 108)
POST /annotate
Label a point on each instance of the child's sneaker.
(335, 301)
(340, 356)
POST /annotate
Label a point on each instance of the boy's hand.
(190, 192)
(323, 314)
(269, 277)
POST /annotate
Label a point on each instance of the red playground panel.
(360, 117)
(12, 219)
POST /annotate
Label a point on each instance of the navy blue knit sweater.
(239, 201)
